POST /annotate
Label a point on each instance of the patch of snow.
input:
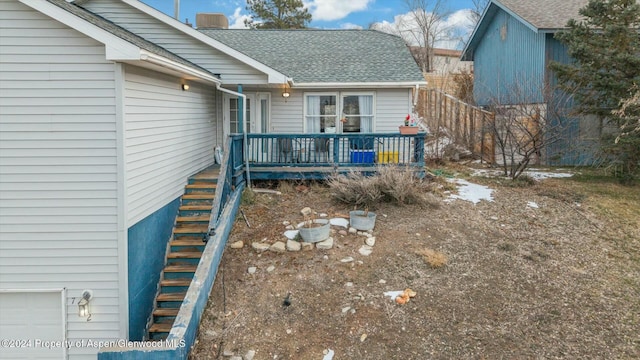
(535, 174)
(532, 204)
(291, 234)
(471, 192)
(394, 294)
(340, 222)
(329, 355)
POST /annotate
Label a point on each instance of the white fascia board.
(358, 85)
(116, 48)
(274, 76)
(181, 68)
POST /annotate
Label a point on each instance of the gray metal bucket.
(362, 220)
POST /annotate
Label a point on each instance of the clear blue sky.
(326, 13)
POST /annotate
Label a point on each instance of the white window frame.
(373, 105)
(339, 95)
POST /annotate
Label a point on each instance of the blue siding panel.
(147, 249)
(573, 148)
(510, 56)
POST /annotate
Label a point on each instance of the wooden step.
(161, 327)
(185, 255)
(191, 229)
(205, 186)
(181, 268)
(195, 208)
(188, 241)
(198, 197)
(178, 296)
(175, 282)
(166, 312)
(201, 218)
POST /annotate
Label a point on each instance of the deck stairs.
(185, 249)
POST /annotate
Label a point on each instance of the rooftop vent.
(211, 21)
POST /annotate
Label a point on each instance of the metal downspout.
(244, 132)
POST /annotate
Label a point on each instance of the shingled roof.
(545, 14)
(124, 34)
(326, 56)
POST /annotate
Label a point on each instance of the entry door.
(28, 319)
(258, 118)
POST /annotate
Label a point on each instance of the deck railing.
(335, 150)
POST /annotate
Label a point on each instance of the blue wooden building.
(512, 47)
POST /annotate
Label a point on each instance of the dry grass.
(434, 258)
(393, 184)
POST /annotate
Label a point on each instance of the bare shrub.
(395, 184)
(434, 258)
(355, 189)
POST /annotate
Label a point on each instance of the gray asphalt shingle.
(326, 56)
(545, 14)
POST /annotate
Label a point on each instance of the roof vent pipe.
(176, 9)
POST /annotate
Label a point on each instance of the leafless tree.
(524, 130)
(424, 27)
(478, 9)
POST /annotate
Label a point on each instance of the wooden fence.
(467, 125)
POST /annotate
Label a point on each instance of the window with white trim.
(356, 113)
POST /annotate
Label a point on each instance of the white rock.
(250, 355)
(343, 232)
(323, 215)
(352, 230)
(227, 353)
(252, 270)
(345, 309)
(290, 227)
(286, 223)
(237, 245)
(371, 241)
(271, 268)
(326, 244)
(382, 281)
(291, 234)
(342, 222)
(417, 234)
(348, 284)
(289, 331)
(293, 245)
(260, 247)
(368, 234)
(236, 357)
(328, 355)
(365, 250)
(279, 247)
(306, 246)
(325, 257)
(361, 233)
(306, 211)
(347, 259)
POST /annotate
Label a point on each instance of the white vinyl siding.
(58, 197)
(391, 107)
(230, 69)
(169, 135)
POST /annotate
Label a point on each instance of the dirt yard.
(558, 281)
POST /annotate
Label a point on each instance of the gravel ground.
(558, 281)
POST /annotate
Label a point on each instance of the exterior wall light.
(83, 305)
(286, 94)
(185, 87)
